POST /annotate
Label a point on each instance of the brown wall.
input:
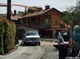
(53, 15)
(55, 20)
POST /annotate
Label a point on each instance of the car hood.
(31, 36)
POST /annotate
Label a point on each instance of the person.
(60, 37)
(66, 36)
(63, 48)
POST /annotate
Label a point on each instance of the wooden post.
(21, 23)
(26, 23)
(54, 32)
(9, 9)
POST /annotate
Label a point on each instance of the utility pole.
(9, 10)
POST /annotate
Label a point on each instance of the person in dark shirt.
(66, 36)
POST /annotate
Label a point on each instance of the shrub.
(1, 37)
(7, 35)
(13, 34)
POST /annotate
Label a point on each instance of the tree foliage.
(73, 18)
(67, 17)
(22, 13)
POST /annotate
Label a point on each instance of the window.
(62, 26)
(56, 21)
(47, 21)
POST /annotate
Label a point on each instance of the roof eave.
(44, 13)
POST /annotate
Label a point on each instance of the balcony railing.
(41, 26)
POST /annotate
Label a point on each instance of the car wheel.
(24, 43)
(38, 43)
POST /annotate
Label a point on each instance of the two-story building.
(47, 21)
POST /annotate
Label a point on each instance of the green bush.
(1, 37)
(13, 34)
(7, 36)
(8, 33)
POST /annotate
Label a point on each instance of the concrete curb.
(16, 47)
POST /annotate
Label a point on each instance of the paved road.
(51, 52)
(25, 52)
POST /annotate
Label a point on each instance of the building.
(16, 20)
(14, 17)
(47, 21)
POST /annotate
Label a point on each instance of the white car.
(31, 37)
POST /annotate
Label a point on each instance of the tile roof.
(65, 24)
(39, 13)
(15, 17)
(3, 15)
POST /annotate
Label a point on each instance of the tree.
(22, 13)
(67, 17)
(72, 16)
(9, 9)
(29, 10)
(76, 13)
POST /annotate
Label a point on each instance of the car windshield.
(31, 33)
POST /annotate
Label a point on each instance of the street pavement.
(51, 52)
(25, 52)
(45, 51)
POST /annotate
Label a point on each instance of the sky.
(60, 5)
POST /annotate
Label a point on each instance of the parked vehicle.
(31, 37)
